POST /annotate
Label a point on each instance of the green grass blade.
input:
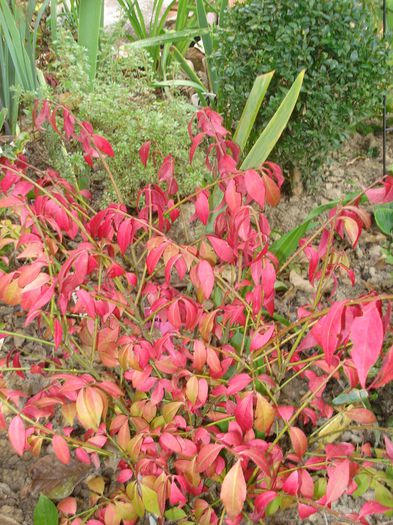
(251, 109)
(90, 13)
(3, 115)
(53, 19)
(208, 44)
(13, 38)
(182, 15)
(270, 135)
(179, 83)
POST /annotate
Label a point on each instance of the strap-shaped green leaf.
(251, 109)
(270, 135)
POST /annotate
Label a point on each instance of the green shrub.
(345, 61)
(123, 107)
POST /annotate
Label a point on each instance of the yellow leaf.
(150, 500)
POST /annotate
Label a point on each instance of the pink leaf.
(292, 483)
(61, 449)
(238, 383)
(338, 481)
(202, 207)
(389, 447)
(259, 340)
(206, 278)
(17, 435)
(255, 187)
(67, 506)
(367, 338)
(244, 413)
(372, 507)
(222, 249)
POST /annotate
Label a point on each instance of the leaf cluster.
(170, 357)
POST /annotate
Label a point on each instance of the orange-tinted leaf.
(89, 407)
(61, 449)
(361, 415)
(234, 490)
(298, 440)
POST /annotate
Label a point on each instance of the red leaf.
(17, 435)
(244, 412)
(327, 330)
(103, 145)
(61, 449)
(154, 256)
(68, 123)
(367, 338)
(255, 187)
(372, 507)
(338, 481)
(298, 440)
(144, 152)
(206, 278)
(202, 207)
(234, 490)
(259, 340)
(238, 383)
(385, 375)
(207, 456)
(222, 249)
(292, 483)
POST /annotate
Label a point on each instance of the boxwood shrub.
(334, 40)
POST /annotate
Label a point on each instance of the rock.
(299, 283)
(10, 515)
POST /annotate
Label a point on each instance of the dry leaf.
(54, 479)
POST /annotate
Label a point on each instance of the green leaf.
(90, 16)
(188, 70)
(179, 83)
(251, 109)
(363, 483)
(175, 514)
(150, 500)
(384, 218)
(287, 244)
(169, 36)
(383, 495)
(3, 114)
(354, 396)
(270, 135)
(45, 512)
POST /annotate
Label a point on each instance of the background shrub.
(122, 105)
(334, 40)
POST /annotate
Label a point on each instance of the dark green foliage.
(123, 107)
(345, 61)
